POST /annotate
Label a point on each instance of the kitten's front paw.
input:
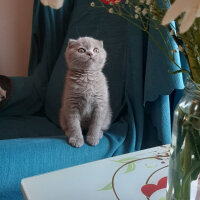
(76, 141)
(92, 140)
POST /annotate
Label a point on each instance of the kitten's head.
(85, 53)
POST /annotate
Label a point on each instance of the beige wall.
(15, 36)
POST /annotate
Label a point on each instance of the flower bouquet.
(184, 165)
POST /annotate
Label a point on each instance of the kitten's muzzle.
(89, 54)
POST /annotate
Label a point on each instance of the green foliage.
(125, 160)
(130, 168)
(107, 187)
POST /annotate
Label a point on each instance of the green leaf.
(148, 166)
(125, 160)
(180, 71)
(176, 72)
(162, 198)
(107, 187)
(131, 167)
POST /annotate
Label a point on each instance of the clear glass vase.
(184, 164)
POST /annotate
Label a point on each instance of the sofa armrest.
(22, 158)
(24, 99)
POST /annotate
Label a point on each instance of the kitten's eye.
(96, 50)
(81, 50)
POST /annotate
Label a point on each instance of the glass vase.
(184, 164)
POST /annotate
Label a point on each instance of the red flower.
(110, 1)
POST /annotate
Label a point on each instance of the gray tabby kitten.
(85, 103)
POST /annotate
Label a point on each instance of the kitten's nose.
(89, 54)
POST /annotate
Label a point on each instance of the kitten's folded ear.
(101, 43)
(71, 42)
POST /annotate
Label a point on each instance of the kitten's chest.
(89, 91)
(87, 107)
(87, 87)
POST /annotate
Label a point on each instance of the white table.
(140, 175)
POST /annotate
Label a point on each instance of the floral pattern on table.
(150, 171)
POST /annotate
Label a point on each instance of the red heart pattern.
(149, 189)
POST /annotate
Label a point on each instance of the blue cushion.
(22, 158)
